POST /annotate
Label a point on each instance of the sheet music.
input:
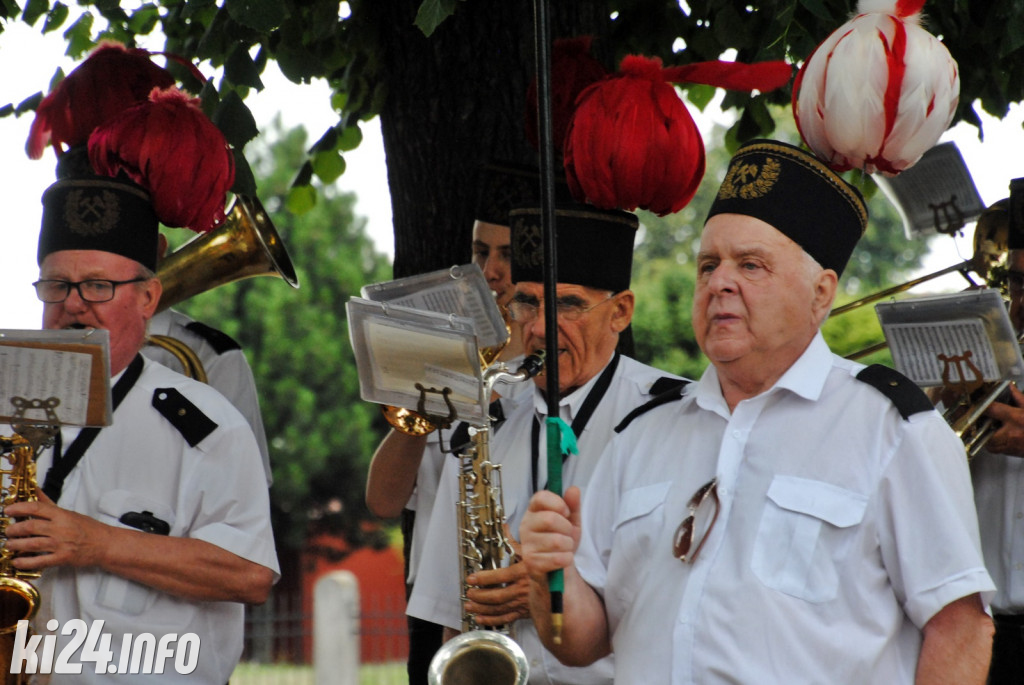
(437, 361)
(450, 298)
(916, 348)
(35, 373)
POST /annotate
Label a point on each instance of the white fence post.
(336, 629)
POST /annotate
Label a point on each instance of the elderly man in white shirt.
(793, 517)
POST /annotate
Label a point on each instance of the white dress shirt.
(999, 497)
(227, 370)
(214, 491)
(436, 594)
(842, 529)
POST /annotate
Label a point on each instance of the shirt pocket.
(638, 523)
(806, 528)
(113, 592)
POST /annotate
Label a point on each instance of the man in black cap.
(598, 387)
(158, 524)
(793, 516)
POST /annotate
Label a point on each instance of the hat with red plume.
(878, 92)
(131, 162)
(633, 144)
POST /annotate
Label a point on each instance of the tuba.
(482, 654)
(245, 245)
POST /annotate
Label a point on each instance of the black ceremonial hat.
(594, 246)
(83, 211)
(799, 196)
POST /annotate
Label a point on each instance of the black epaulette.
(665, 390)
(903, 392)
(190, 421)
(220, 341)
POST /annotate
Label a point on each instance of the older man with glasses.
(598, 387)
(792, 517)
(158, 524)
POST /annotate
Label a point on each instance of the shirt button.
(1020, 515)
(738, 434)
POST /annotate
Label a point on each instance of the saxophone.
(483, 654)
(19, 599)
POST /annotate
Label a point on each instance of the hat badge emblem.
(748, 181)
(529, 245)
(91, 214)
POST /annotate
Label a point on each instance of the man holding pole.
(597, 388)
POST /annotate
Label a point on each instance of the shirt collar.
(805, 377)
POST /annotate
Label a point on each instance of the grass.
(286, 674)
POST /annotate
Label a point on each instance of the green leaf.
(7, 110)
(328, 166)
(79, 36)
(29, 104)
(55, 18)
(432, 13)
(700, 95)
(241, 70)
(260, 15)
(144, 20)
(245, 183)
(350, 139)
(301, 199)
(235, 120)
(33, 10)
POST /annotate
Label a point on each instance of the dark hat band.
(594, 246)
(97, 213)
(799, 196)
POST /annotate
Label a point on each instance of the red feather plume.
(110, 80)
(168, 146)
(633, 144)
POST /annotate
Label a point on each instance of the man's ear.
(825, 286)
(622, 310)
(152, 290)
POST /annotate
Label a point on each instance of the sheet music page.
(35, 373)
(916, 350)
(437, 361)
(449, 298)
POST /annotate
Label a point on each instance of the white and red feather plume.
(878, 92)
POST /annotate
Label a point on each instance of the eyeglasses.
(92, 290)
(524, 311)
(693, 532)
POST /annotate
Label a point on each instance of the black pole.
(542, 38)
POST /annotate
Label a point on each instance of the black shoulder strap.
(220, 341)
(62, 465)
(190, 421)
(665, 390)
(908, 398)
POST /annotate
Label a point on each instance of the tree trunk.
(450, 108)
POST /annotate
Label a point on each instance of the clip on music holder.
(954, 340)
(49, 379)
(419, 360)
